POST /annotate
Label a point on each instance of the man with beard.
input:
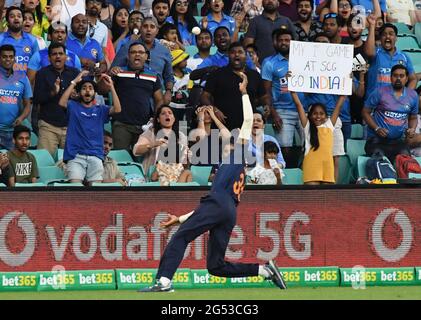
(88, 50)
(159, 58)
(221, 87)
(391, 114)
(282, 108)
(135, 25)
(97, 30)
(306, 27)
(331, 27)
(161, 11)
(50, 83)
(25, 44)
(383, 58)
(15, 103)
(262, 27)
(139, 89)
(203, 44)
(220, 58)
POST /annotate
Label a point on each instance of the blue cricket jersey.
(91, 49)
(25, 47)
(227, 21)
(220, 59)
(187, 38)
(391, 112)
(274, 69)
(13, 89)
(329, 101)
(40, 60)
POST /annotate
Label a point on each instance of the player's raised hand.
(172, 219)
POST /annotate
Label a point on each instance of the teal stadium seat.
(50, 174)
(36, 184)
(407, 42)
(184, 184)
(412, 175)
(354, 149)
(120, 155)
(417, 31)
(293, 176)
(402, 28)
(357, 131)
(43, 157)
(362, 161)
(68, 184)
(2, 185)
(201, 174)
(106, 184)
(59, 154)
(131, 168)
(34, 140)
(345, 172)
(415, 56)
(191, 50)
(146, 184)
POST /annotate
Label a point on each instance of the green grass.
(333, 293)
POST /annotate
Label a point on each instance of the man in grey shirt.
(261, 28)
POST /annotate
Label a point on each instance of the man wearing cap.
(139, 89)
(57, 32)
(261, 28)
(160, 58)
(182, 83)
(383, 58)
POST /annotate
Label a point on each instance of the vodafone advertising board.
(82, 230)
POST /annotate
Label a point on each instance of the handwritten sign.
(321, 67)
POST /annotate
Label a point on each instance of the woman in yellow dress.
(318, 165)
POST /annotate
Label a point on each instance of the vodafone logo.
(28, 228)
(400, 219)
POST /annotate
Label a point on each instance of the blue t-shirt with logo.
(392, 112)
(40, 60)
(85, 130)
(227, 21)
(275, 69)
(25, 47)
(91, 49)
(13, 89)
(381, 67)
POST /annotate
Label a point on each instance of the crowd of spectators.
(164, 76)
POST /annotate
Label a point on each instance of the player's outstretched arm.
(172, 219)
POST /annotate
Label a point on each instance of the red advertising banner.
(107, 229)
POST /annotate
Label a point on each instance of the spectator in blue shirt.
(88, 50)
(368, 5)
(135, 24)
(385, 57)
(57, 32)
(181, 15)
(25, 44)
(391, 114)
(160, 59)
(216, 18)
(282, 108)
(84, 149)
(15, 95)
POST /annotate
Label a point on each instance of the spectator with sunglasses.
(181, 14)
(96, 30)
(331, 27)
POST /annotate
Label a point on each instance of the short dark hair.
(55, 45)
(136, 12)
(137, 43)
(331, 15)
(166, 27)
(8, 47)
(80, 84)
(30, 12)
(281, 31)
(107, 134)
(10, 9)
(388, 25)
(311, 3)
(221, 27)
(19, 129)
(235, 44)
(270, 147)
(399, 66)
(156, 2)
(252, 46)
(53, 26)
(319, 34)
(204, 31)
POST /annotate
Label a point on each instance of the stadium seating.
(407, 42)
(50, 174)
(269, 130)
(2, 185)
(34, 140)
(354, 149)
(68, 184)
(412, 175)
(106, 184)
(43, 157)
(131, 168)
(345, 172)
(59, 154)
(120, 156)
(146, 184)
(362, 161)
(417, 31)
(402, 28)
(293, 176)
(357, 131)
(184, 184)
(415, 56)
(418, 159)
(108, 127)
(36, 184)
(201, 174)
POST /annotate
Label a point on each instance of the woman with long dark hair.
(41, 24)
(120, 25)
(181, 15)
